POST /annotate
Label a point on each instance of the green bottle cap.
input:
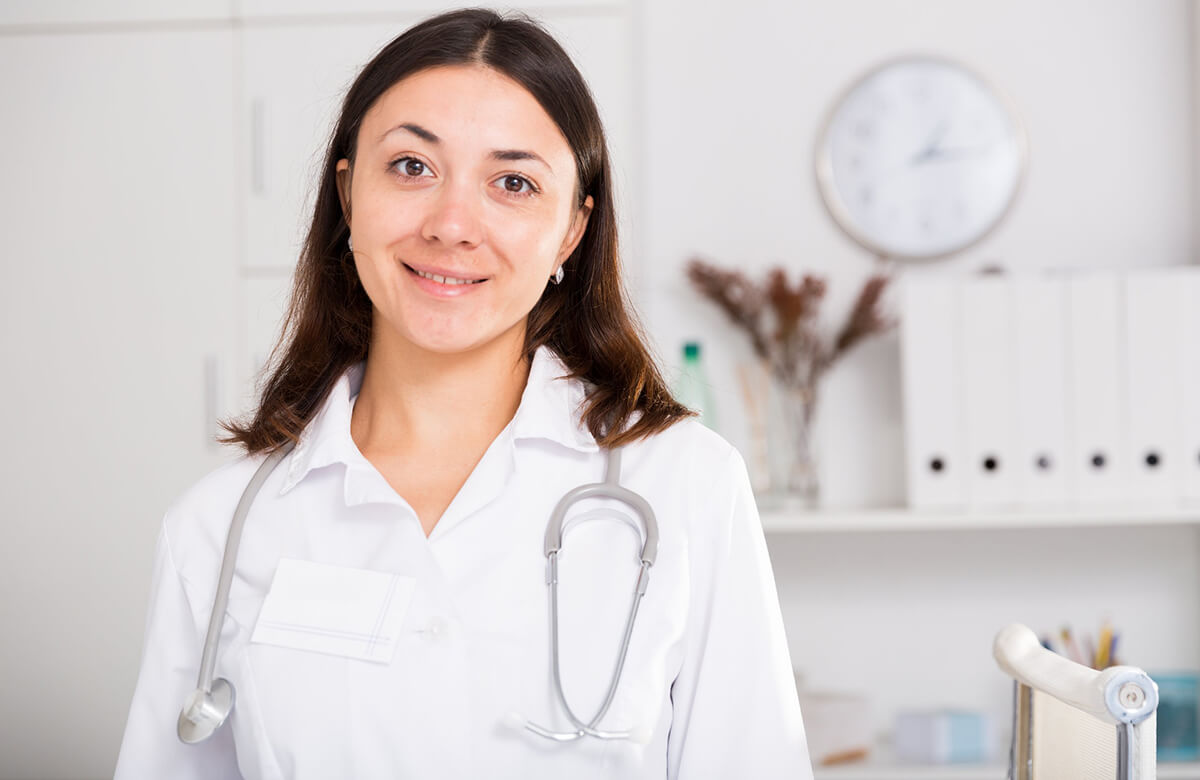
(691, 350)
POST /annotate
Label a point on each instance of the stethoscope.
(208, 707)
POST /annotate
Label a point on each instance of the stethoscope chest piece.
(205, 711)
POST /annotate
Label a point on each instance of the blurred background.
(158, 160)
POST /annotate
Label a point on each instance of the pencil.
(1104, 648)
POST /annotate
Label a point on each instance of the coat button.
(436, 629)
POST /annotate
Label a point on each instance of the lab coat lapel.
(485, 484)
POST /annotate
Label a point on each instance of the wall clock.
(920, 158)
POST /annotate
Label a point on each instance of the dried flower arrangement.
(782, 324)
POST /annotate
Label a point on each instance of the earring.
(350, 243)
(558, 276)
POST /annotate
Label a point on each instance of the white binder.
(1097, 455)
(1189, 457)
(1040, 333)
(989, 391)
(931, 367)
(1154, 308)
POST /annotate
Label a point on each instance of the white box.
(1154, 371)
(931, 370)
(1097, 453)
(1039, 328)
(989, 391)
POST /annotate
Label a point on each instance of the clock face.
(920, 158)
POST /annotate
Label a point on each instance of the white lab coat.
(708, 676)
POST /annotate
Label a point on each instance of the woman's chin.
(449, 342)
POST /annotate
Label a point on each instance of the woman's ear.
(343, 175)
(575, 231)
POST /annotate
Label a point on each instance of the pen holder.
(1178, 715)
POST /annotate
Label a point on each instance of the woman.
(459, 355)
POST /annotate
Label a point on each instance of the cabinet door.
(42, 12)
(294, 81)
(118, 309)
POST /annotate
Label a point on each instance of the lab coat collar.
(326, 439)
(551, 405)
(549, 409)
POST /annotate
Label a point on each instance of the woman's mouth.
(448, 280)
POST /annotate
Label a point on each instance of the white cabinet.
(292, 86)
(118, 290)
(76, 12)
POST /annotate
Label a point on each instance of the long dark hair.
(586, 319)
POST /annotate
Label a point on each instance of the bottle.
(692, 388)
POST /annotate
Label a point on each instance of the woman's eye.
(517, 185)
(411, 167)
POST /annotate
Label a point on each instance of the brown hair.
(586, 319)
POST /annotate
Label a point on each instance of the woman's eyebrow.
(497, 154)
(519, 154)
(415, 129)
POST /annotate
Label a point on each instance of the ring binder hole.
(1098, 460)
(1152, 459)
(937, 465)
(991, 463)
(1043, 462)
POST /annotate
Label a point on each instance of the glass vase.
(790, 445)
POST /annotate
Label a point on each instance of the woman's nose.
(454, 216)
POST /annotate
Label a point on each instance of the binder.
(1097, 457)
(989, 391)
(1189, 456)
(931, 370)
(1040, 333)
(1154, 306)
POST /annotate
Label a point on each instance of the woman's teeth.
(446, 279)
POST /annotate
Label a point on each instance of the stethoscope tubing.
(609, 488)
(206, 710)
(204, 714)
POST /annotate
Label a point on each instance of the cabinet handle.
(257, 172)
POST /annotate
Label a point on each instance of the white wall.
(734, 99)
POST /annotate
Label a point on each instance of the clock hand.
(931, 145)
(955, 153)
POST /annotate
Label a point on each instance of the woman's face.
(460, 173)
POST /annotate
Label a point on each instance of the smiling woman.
(458, 367)
(469, 145)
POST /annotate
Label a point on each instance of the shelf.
(777, 518)
(870, 771)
